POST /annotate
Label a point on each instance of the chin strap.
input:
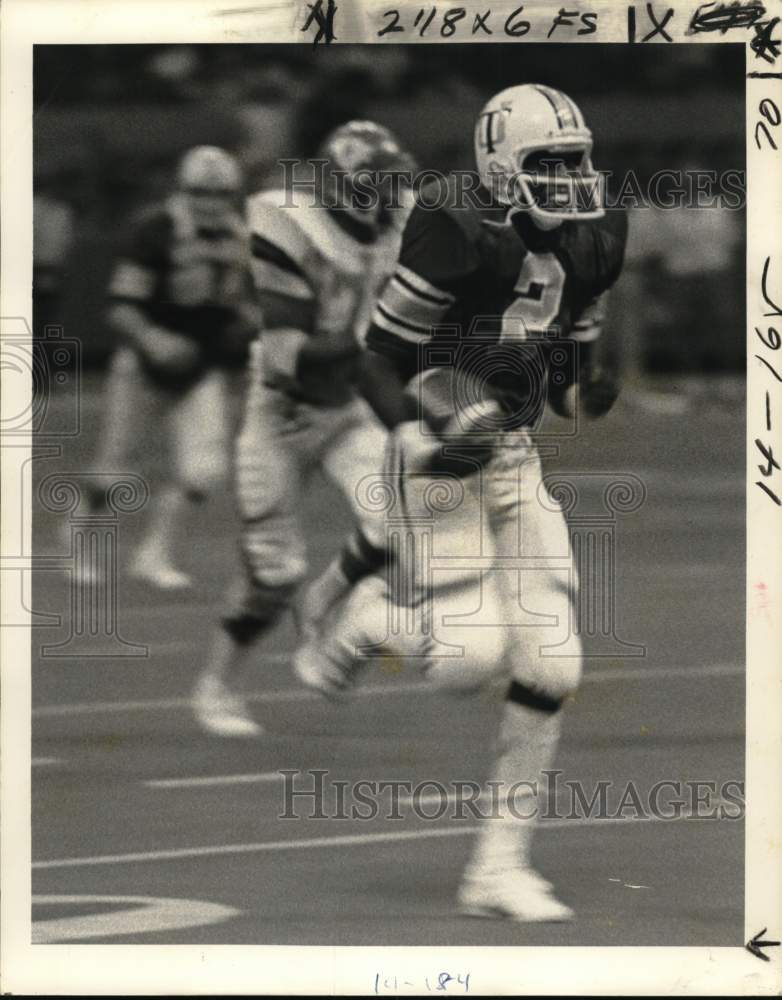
(538, 219)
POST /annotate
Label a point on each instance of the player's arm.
(598, 375)
(438, 254)
(283, 291)
(244, 324)
(294, 359)
(596, 386)
(164, 350)
(131, 291)
(593, 386)
(383, 386)
(435, 256)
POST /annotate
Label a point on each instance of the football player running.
(520, 275)
(183, 305)
(320, 257)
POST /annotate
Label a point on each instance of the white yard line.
(45, 761)
(655, 673)
(217, 779)
(385, 690)
(312, 843)
(153, 704)
(138, 915)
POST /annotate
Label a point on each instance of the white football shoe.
(153, 568)
(318, 601)
(519, 894)
(318, 661)
(320, 672)
(86, 573)
(222, 712)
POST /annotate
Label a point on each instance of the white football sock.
(527, 745)
(323, 593)
(164, 516)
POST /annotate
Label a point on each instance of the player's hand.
(599, 394)
(476, 419)
(429, 454)
(170, 353)
(449, 411)
(592, 396)
(452, 418)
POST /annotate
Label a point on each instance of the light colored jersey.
(302, 254)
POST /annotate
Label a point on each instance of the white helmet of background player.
(211, 180)
(533, 152)
(358, 153)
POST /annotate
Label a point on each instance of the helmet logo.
(351, 152)
(491, 129)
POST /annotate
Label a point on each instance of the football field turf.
(130, 799)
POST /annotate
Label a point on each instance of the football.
(431, 394)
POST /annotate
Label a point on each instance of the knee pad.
(563, 678)
(254, 607)
(547, 659)
(554, 676)
(521, 694)
(207, 480)
(274, 561)
(242, 627)
(482, 661)
(196, 495)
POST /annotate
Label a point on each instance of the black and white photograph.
(391, 513)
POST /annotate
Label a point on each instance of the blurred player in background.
(521, 276)
(183, 305)
(320, 256)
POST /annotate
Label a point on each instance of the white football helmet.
(533, 152)
(360, 155)
(211, 180)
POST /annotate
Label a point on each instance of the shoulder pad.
(611, 243)
(597, 249)
(152, 217)
(148, 235)
(445, 195)
(305, 231)
(269, 217)
(614, 223)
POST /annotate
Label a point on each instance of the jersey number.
(539, 294)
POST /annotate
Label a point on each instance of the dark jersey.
(469, 287)
(187, 279)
